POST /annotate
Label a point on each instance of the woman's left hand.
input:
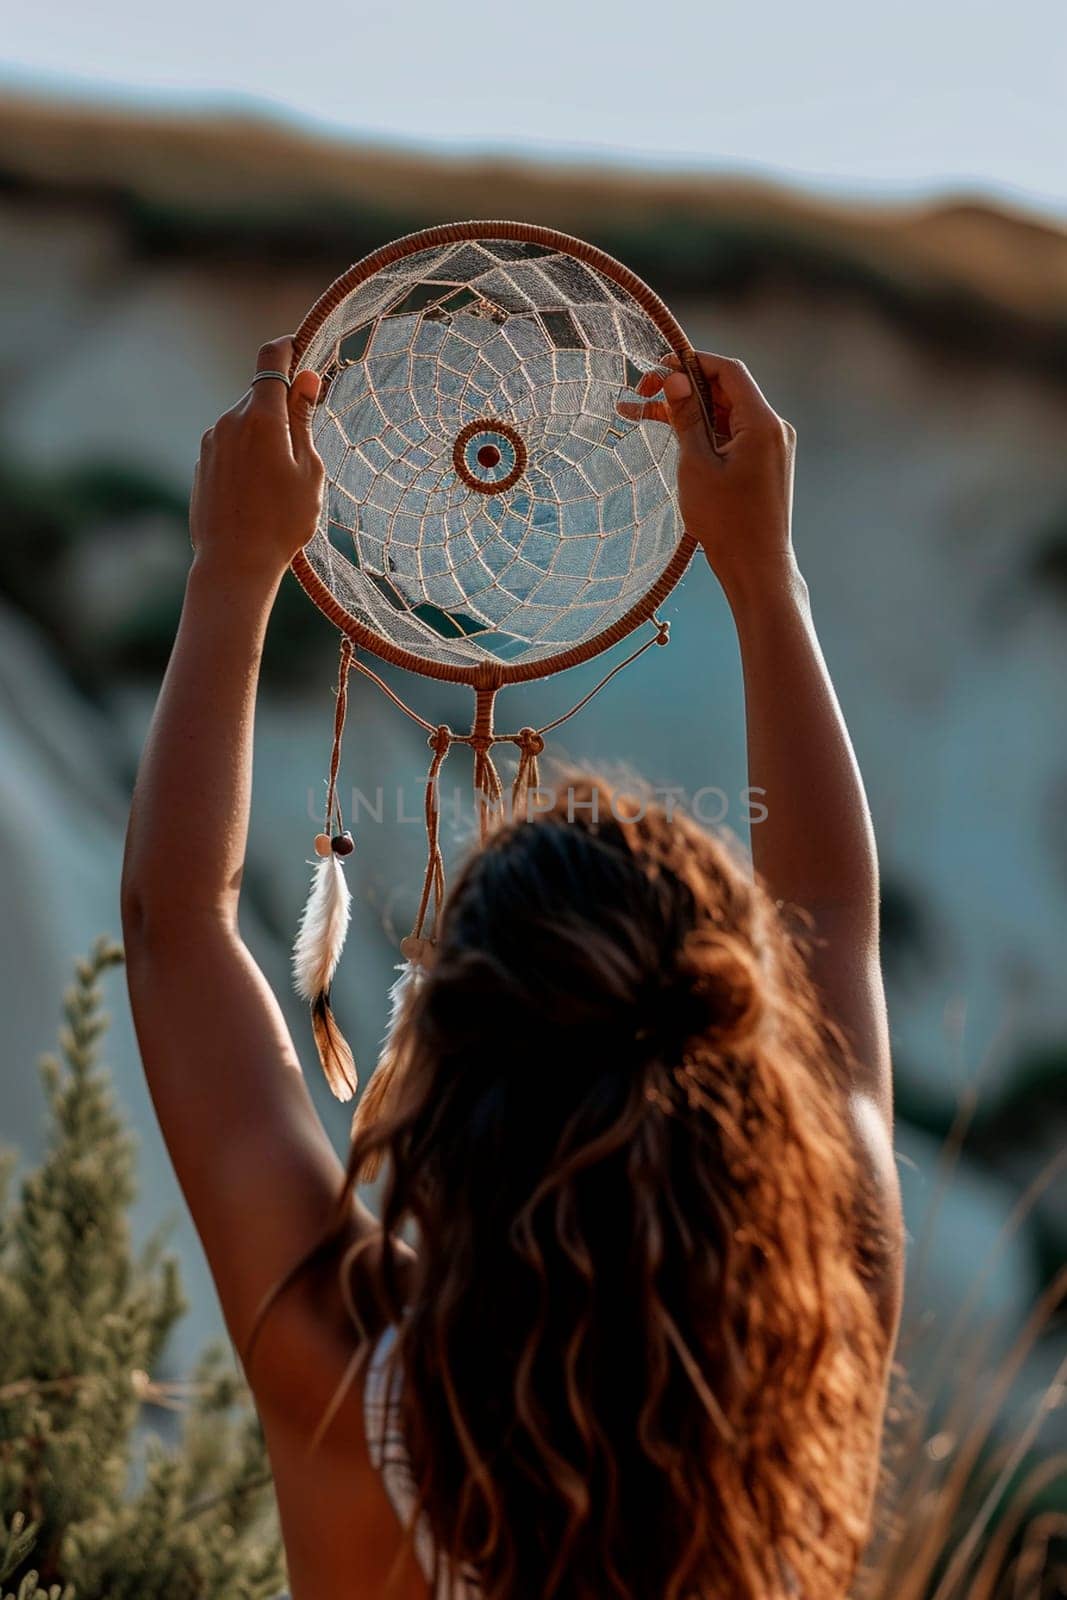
(257, 491)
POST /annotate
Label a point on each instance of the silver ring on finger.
(282, 376)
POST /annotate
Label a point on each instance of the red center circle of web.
(503, 430)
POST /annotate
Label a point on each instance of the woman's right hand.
(258, 487)
(737, 500)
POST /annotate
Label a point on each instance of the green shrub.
(93, 1506)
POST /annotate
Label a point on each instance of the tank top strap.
(382, 1422)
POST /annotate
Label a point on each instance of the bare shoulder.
(315, 1335)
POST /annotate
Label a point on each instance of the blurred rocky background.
(918, 349)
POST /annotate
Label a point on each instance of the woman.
(639, 1136)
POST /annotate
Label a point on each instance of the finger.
(650, 411)
(302, 397)
(686, 410)
(654, 410)
(192, 502)
(270, 395)
(737, 387)
(719, 401)
(692, 412)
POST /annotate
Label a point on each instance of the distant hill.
(960, 272)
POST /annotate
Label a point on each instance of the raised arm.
(815, 849)
(260, 1177)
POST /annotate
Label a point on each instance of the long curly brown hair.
(639, 1355)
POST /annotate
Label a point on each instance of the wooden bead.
(342, 844)
(323, 844)
(415, 950)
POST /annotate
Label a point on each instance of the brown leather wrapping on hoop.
(493, 674)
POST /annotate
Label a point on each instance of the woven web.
(489, 331)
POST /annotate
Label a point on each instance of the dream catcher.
(491, 515)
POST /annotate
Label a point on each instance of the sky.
(858, 98)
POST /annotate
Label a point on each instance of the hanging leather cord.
(488, 789)
(440, 742)
(531, 743)
(333, 807)
(662, 635)
(391, 694)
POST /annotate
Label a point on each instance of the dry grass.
(971, 1510)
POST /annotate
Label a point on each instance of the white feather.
(411, 973)
(321, 935)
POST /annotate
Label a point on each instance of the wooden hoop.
(494, 674)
